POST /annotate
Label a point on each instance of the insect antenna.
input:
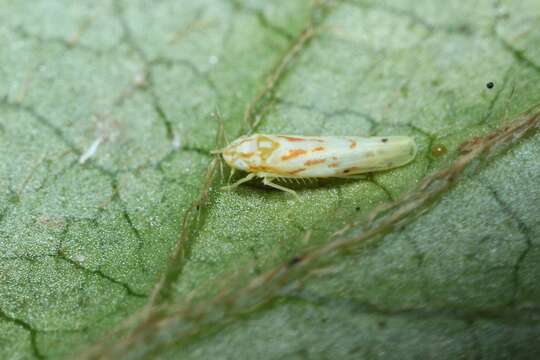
(221, 137)
(220, 141)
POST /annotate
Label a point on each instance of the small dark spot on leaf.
(381, 324)
(420, 257)
(404, 91)
(293, 261)
(490, 85)
(346, 171)
(357, 208)
(14, 198)
(384, 140)
(464, 29)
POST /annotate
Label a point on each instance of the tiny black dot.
(384, 140)
(490, 85)
(346, 171)
(295, 260)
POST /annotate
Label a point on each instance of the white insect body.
(291, 156)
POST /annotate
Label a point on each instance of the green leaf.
(111, 215)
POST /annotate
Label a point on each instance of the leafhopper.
(272, 157)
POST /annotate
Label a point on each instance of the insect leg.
(231, 174)
(221, 171)
(268, 181)
(242, 180)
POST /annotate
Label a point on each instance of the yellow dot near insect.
(273, 157)
(438, 150)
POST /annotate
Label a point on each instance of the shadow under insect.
(297, 184)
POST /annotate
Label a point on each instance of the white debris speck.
(213, 60)
(79, 258)
(176, 142)
(90, 151)
(139, 79)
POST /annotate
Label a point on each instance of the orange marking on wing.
(333, 165)
(255, 168)
(294, 172)
(318, 148)
(293, 153)
(247, 155)
(266, 168)
(314, 162)
(353, 144)
(293, 138)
